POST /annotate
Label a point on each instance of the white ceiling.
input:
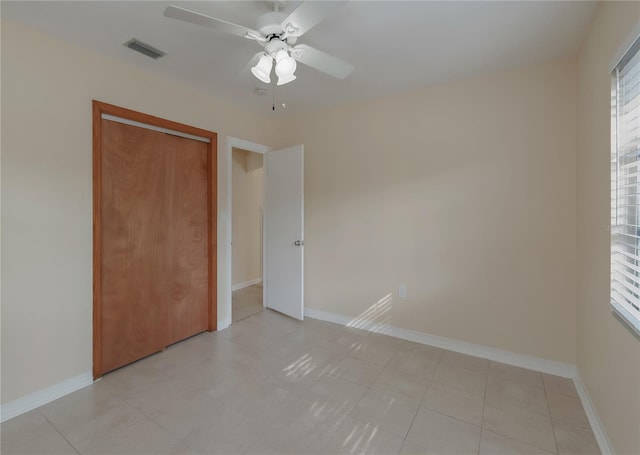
(394, 45)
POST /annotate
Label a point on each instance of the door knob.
(299, 242)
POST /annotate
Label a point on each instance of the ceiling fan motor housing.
(271, 23)
(274, 46)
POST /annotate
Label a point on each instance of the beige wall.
(47, 88)
(464, 192)
(608, 354)
(247, 216)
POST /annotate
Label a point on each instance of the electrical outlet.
(402, 290)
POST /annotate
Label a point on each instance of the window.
(625, 188)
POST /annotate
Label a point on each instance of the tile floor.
(246, 302)
(272, 385)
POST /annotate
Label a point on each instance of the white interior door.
(284, 230)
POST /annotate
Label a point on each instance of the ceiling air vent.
(144, 48)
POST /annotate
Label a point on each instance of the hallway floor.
(246, 302)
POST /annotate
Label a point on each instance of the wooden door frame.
(100, 108)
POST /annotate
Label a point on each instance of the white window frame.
(626, 275)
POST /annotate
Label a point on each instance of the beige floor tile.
(345, 339)
(454, 403)
(575, 440)
(494, 444)
(207, 374)
(386, 412)
(235, 355)
(266, 405)
(408, 448)
(254, 335)
(304, 365)
(440, 434)
(518, 394)
(299, 374)
(355, 437)
(333, 396)
(455, 359)
(177, 357)
(316, 332)
(461, 378)
(428, 352)
(146, 438)
(289, 351)
(282, 444)
(310, 425)
(528, 427)
(31, 434)
(373, 351)
(175, 409)
(94, 435)
(277, 322)
(316, 357)
(567, 409)
(559, 385)
(358, 371)
(414, 363)
(132, 379)
(516, 374)
(393, 342)
(80, 407)
(224, 433)
(401, 385)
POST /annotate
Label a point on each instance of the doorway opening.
(225, 240)
(247, 202)
(282, 230)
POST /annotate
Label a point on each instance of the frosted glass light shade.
(263, 69)
(286, 79)
(285, 67)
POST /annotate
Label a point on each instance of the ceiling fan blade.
(308, 15)
(321, 61)
(182, 14)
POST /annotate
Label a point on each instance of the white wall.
(608, 354)
(247, 202)
(47, 88)
(465, 192)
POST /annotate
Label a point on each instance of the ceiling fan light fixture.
(285, 67)
(286, 79)
(263, 69)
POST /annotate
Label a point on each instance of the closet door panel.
(135, 260)
(188, 279)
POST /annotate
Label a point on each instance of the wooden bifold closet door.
(155, 239)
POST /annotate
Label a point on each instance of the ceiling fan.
(277, 33)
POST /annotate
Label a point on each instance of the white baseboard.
(594, 419)
(43, 396)
(498, 355)
(245, 284)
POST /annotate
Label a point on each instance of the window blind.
(625, 186)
